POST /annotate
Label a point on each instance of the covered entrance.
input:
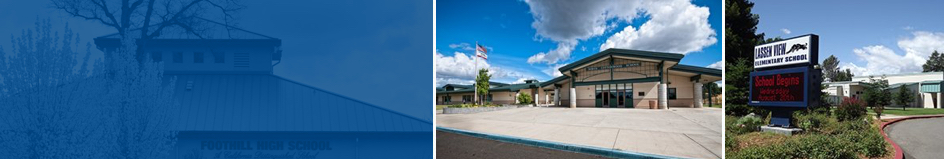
(618, 95)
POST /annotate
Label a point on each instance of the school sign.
(786, 77)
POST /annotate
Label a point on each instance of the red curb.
(898, 152)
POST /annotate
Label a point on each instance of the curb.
(557, 146)
(898, 152)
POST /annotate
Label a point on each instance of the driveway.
(919, 138)
(680, 132)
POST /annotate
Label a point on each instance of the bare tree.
(124, 15)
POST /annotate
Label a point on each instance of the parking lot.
(680, 132)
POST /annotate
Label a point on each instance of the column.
(573, 97)
(663, 96)
(536, 97)
(557, 96)
(698, 95)
(547, 98)
(516, 97)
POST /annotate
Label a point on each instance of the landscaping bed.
(846, 132)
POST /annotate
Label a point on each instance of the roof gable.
(623, 52)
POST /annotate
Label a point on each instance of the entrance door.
(629, 98)
(613, 98)
(622, 101)
(606, 98)
(599, 99)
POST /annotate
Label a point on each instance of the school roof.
(263, 102)
(623, 52)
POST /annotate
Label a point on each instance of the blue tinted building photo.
(201, 79)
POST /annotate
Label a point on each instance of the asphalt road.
(919, 138)
(452, 145)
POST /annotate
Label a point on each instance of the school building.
(613, 78)
(233, 106)
(925, 87)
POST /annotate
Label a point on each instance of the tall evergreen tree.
(844, 75)
(935, 63)
(831, 68)
(740, 26)
(904, 96)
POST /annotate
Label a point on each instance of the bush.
(850, 109)
(819, 146)
(524, 98)
(746, 124)
(771, 151)
(813, 122)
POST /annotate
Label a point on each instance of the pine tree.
(935, 63)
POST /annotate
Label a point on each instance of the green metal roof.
(510, 87)
(555, 80)
(623, 52)
(933, 86)
(696, 69)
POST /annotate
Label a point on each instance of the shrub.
(771, 151)
(850, 109)
(815, 122)
(866, 139)
(746, 124)
(524, 98)
(819, 146)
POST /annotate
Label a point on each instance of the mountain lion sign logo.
(797, 47)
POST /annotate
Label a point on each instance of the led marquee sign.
(783, 87)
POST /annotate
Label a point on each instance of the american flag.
(480, 51)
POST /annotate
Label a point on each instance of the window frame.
(198, 57)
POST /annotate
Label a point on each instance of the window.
(178, 57)
(447, 99)
(156, 57)
(197, 57)
(488, 98)
(642, 94)
(671, 93)
(219, 57)
(466, 98)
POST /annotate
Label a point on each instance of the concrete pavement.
(452, 145)
(919, 138)
(681, 132)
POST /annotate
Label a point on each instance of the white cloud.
(553, 70)
(882, 60)
(785, 31)
(923, 43)
(460, 69)
(675, 26)
(463, 46)
(907, 28)
(717, 65)
(561, 53)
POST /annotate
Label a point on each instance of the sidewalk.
(681, 132)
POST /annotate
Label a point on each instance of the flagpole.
(475, 84)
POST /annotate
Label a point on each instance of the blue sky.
(370, 50)
(868, 37)
(566, 31)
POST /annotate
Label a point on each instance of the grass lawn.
(910, 111)
(440, 107)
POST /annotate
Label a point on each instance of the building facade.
(233, 106)
(615, 78)
(925, 87)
